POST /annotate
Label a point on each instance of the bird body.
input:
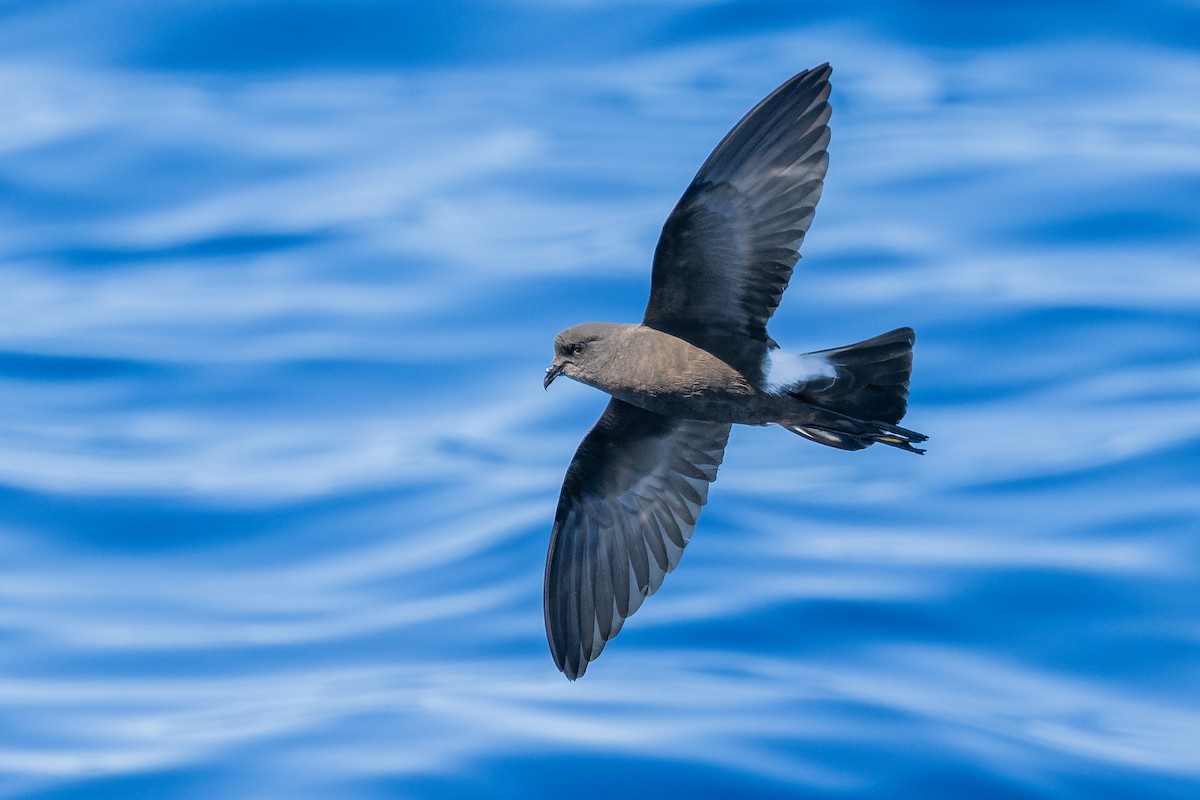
(666, 374)
(653, 370)
(701, 361)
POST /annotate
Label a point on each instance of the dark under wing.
(629, 502)
(727, 251)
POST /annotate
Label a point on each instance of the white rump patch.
(782, 370)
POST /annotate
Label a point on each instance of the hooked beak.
(552, 372)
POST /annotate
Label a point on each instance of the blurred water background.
(278, 281)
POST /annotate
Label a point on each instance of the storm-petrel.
(700, 361)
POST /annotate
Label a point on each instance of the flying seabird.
(700, 361)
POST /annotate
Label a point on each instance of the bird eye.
(577, 348)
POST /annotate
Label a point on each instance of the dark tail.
(864, 398)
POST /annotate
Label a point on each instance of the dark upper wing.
(726, 252)
(629, 503)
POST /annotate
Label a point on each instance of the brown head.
(580, 352)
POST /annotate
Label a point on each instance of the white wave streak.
(971, 705)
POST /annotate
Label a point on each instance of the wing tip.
(571, 668)
(817, 75)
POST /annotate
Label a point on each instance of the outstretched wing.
(629, 503)
(727, 251)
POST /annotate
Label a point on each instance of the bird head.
(576, 351)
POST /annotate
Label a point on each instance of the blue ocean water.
(278, 281)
